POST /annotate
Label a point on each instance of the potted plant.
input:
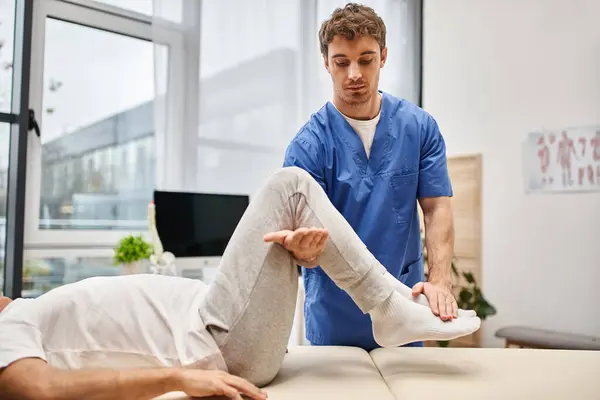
(131, 251)
(470, 296)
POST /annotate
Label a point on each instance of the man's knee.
(292, 176)
(261, 378)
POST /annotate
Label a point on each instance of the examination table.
(348, 373)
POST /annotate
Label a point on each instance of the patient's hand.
(305, 244)
(4, 301)
(203, 383)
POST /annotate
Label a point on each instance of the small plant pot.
(131, 268)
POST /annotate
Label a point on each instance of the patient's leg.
(250, 305)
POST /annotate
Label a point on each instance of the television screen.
(197, 224)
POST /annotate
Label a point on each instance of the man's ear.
(383, 57)
(326, 63)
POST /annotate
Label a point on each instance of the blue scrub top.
(378, 197)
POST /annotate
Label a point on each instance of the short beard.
(355, 102)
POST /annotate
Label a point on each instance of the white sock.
(421, 298)
(399, 321)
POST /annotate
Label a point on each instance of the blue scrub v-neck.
(368, 165)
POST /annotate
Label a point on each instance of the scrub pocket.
(404, 196)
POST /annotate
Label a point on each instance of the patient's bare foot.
(399, 321)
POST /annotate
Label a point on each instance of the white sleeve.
(19, 339)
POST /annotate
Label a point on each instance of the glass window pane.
(7, 36)
(97, 104)
(41, 275)
(4, 150)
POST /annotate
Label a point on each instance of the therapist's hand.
(305, 244)
(440, 297)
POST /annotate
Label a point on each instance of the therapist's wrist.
(441, 280)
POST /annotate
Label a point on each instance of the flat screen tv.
(197, 224)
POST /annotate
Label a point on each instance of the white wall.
(493, 71)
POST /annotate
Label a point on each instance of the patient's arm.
(34, 379)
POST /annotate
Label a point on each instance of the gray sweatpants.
(249, 307)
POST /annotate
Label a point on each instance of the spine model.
(156, 243)
(162, 262)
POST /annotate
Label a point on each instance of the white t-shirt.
(365, 129)
(136, 321)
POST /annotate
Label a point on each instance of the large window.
(94, 106)
(92, 172)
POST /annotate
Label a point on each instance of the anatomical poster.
(563, 160)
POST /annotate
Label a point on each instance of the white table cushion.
(489, 373)
(317, 373)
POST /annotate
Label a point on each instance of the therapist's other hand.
(305, 244)
(203, 383)
(440, 297)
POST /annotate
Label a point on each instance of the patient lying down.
(139, 336)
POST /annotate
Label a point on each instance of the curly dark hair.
(351, 22)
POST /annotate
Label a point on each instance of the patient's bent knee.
(260, 372)
(294, 176)
(261, 378)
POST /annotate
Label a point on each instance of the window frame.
(120, 21)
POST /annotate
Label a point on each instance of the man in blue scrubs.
(377, 157)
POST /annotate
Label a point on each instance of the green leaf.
(469, 277)
(465, 296)
(484, 309)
